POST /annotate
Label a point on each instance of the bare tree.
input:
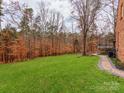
(55, 25)
(0, 12)
(13, 12)
(112, 16)
(85, 12)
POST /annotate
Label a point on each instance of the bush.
(118, 63)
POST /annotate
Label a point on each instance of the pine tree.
(26, 30)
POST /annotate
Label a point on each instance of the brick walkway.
(106, 64)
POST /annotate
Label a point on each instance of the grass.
(59, 74)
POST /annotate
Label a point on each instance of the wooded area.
(43, 35)
(28, 36)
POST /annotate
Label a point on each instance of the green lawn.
(59, 74)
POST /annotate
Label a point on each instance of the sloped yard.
(59, 74)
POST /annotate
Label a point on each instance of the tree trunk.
(84, 46)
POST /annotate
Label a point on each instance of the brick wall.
(120, 31)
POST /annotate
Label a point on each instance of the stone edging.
(113, 70)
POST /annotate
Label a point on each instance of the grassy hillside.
(59, 74)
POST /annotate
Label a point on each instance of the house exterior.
(120, 32)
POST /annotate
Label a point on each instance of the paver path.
(106, 64)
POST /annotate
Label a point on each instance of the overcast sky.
(62, 6)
